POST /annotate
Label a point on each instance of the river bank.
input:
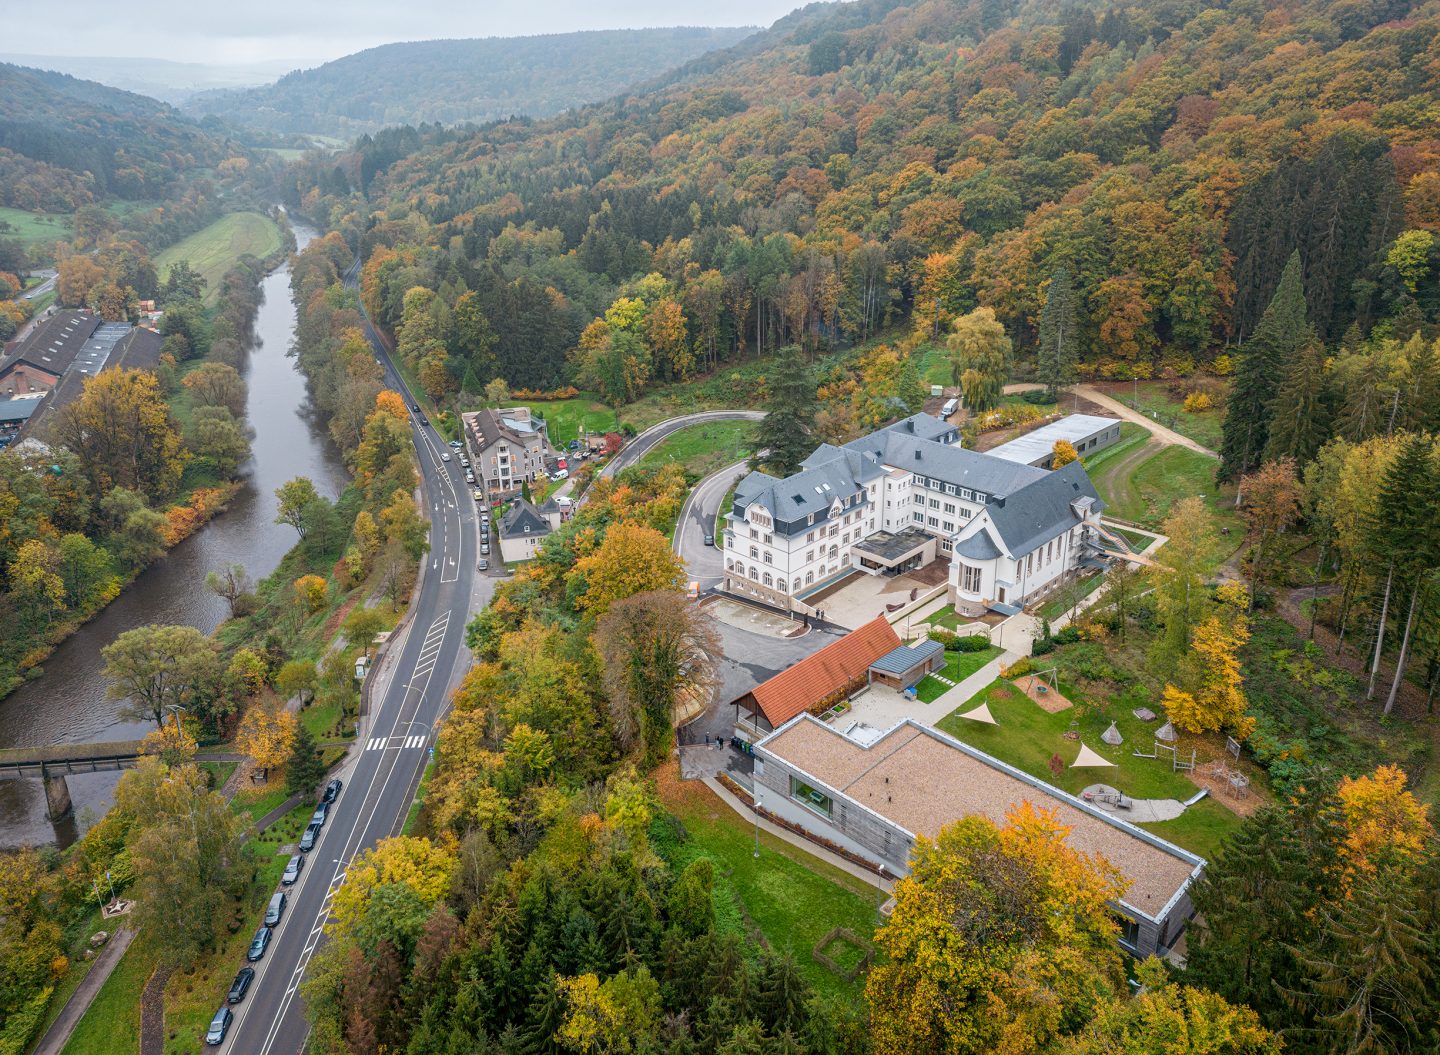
(67, 704)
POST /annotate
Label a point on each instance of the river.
(67, 703)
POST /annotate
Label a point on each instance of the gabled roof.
(952, 464)
(812, 490)
(1041, 511)
(54, 344)
(523, 520)
(907, 657)
(824, 673)
(491, 426)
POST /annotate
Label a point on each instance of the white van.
(951, 405)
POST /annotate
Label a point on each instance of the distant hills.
(65, 142)
(454, 81)
(163, 79)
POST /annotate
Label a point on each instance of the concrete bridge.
(53, 763)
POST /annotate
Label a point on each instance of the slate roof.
(491, 426)
(523, 520)
(1042, 510)
(822, 674)
(907, 657)
(812, 490)
(54, 344)
(979, 546)
(954, 465)
(111, 346)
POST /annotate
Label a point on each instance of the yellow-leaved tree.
(425, 867)
(266, 734)
(611, 1017)
(1218, 700)
(632, 559)
(1385, 824)
(310, 592)
(1064, 453)
(1001, 939)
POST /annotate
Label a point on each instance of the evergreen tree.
(1404, 533)
(786, 435)
(1258, 900)
(1265, 362)
(1058, 324)
(305, 769)
(1299, 416)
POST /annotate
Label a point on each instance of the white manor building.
(896, 500)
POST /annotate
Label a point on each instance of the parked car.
(479, 495)
(259, 944)
(332, 790)
(560, 474)
(464, 461)
(470, 478)
(709, 538)
(456, 444)
(219, 1026)
(293, 868)
(560, 464)
(321, 814)
(415, 407)
(484, 565)
(485, 547)
(573, 445)
(310, 838)
(241, 985)
(276, 909)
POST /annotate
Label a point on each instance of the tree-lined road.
(410, 694)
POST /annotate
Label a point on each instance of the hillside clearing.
(213, 250)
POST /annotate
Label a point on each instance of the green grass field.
(703, 449)
(564, 417)
(1155, 399)
(111, 1026)
(33, 228)
(792, 898)
(214, 249)
(1027, 737)
(958, 667)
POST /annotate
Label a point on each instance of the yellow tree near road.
(1385, 824)
(423, 866)
(310, 592)
(266, 734)
(632, 559)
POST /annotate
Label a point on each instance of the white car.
(445, 456)
(560, 474)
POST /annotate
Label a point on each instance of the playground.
(1125, 760)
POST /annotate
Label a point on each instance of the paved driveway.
(704, 564)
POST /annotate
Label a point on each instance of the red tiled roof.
(828, 671)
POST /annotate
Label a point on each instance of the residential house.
(522, 530)
(507, 447)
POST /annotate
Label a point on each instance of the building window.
(811, 799)
(1129, 930)
(932, 521)
(809, 577)
(810, 519)
(949, 489)
(950, 507)
(949, 525)
(769, 579)
(809, 555)
(934, 503)
(796, 584)
(754, 574)
(729, 565)
(965, 493)
(769, 559)
(971, 581)
(919, 518)
(945, 545)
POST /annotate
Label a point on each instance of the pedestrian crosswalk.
(394, 743)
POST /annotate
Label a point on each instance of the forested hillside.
(66, 142)
(876, 162)
(452, 81)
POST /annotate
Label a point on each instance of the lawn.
(1071, 595)
(946, 618)
(1132, 438)
(564, 417)
(111, 1025)
(790, 897)
(958, 667)
(704, 448)
(192, 996)
(1155, 399)
(1027, 737)
(35, 229)
(214, 249)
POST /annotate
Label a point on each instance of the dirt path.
(1159, 431)
(1118, 475)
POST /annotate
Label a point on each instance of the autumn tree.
(218, 385)
(1062, 454)
(1059, 336)
(122, 431)
(310, 593)
(295, 496)
(979, 357)
(233, 584)
(658, 651)
(1272, 504)
(404, 525)
(1180, 595)
(155, 667)
(214, 436)
(632, 559)
(1385, 825)
(266, 734)
(423, 866)
(1001, 940)
(296, 677)
(1217, 696)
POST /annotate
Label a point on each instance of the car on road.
(241, 985)
(469, 478)
(259, 944)
(464, 462)
(332, 790)
(445, 456)
(293, 868)
(310, 838)
(415, 407)
(485, 547)
(560, 474)
(484, 565)
(276, 909)
(424, 421)
(479, 495)
(321, 814)
(219, 1026)
(709, 538)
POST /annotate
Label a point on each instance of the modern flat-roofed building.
(1087, 433)
(900, 498)
(875, 798)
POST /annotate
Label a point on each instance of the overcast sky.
(308, 32)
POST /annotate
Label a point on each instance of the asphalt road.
(410, 694)
(704, 564)
(647, 440)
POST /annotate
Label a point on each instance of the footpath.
(55, 1038)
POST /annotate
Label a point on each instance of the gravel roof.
(921, 780)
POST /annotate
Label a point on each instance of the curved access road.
(704, 564)
(410, 693)
(642, 444)
(1166, 436)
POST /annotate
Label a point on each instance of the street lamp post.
(880, 895)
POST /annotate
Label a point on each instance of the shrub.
(1197, 402)
(1041, 397)
(1223, 366)
(971, 643)
(1018, 669)
(945, 637)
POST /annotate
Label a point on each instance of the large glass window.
(811, 799)
(971, 581)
